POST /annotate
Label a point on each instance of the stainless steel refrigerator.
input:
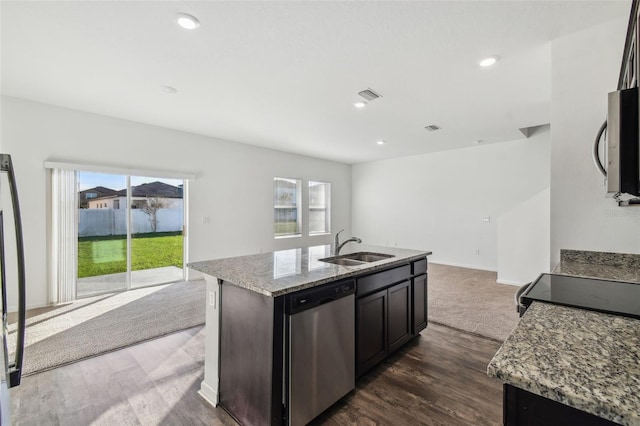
(12, 271)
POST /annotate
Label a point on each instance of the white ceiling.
(284, 75)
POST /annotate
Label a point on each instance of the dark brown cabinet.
(383, 324)
(419, 303)
(251, 355)
(525, 408)
(371, 337)
(399, 322)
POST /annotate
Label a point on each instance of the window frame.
(327, 207)
(298, 207)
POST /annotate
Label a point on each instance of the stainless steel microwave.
(622, 134)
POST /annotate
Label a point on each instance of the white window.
(286, 205)
(319, 207)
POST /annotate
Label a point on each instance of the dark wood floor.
(438, 379)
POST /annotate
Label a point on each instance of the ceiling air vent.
(432, 127)
(369, 95)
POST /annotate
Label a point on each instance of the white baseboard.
(208, 393)
(462, 265)
(511, 282)
(481, 268)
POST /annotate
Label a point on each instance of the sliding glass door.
(157, 221)
(130, 232)
(102, 235)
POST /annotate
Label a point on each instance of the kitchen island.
(250, 305)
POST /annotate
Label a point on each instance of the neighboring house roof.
(100, 192)
(154, 189)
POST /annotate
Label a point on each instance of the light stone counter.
(594, 264)
(286, 271)
(587, 360)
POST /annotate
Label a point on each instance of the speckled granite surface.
(594, 264)
(281, 272)
(584, 359)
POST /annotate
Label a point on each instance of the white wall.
(234, 187)
(523, 240)
(438, 201)
(584, 68)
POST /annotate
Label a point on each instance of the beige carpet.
(472, 301)
(88, 327)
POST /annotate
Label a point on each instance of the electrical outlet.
(486, 219)
(206, 220)
(477, 252)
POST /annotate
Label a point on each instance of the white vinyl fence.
(103, 222)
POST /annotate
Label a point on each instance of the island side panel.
(209, 388)
(250, 380)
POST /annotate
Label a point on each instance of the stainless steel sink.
(355, 259)
(344, 262)
(367, 256)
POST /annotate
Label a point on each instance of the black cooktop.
(613, 297)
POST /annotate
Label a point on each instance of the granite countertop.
(286, 271)
(587, 360)
(593, 264)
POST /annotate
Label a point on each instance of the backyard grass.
(108, 255)
(285, 228)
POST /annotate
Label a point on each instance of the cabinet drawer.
(419, 267)
(373, 282)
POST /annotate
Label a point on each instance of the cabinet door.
(399, 315)
(525, 408)
(372, 330)
(419, 303)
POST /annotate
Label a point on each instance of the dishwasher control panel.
(307, 299)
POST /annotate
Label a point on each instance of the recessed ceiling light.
(188, 22)
(360, 104)
(380, 142)
(169, 89)
(488, 61)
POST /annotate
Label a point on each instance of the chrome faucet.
(336, 242)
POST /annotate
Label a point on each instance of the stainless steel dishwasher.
(321, 354)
